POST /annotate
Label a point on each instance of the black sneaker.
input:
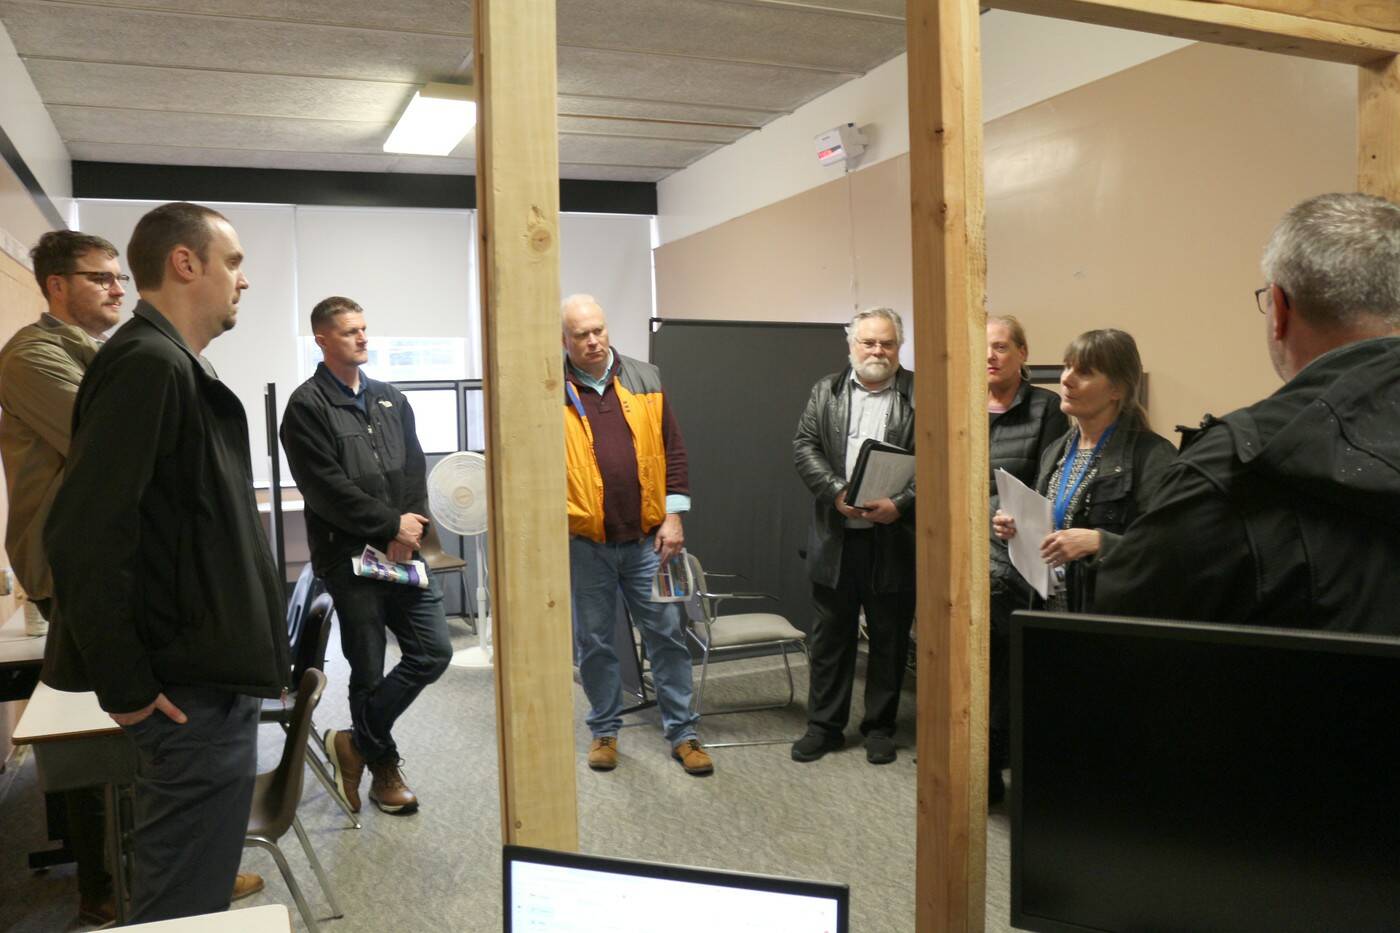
(879, 749)
(815, 744)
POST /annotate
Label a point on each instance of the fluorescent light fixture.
(435, 120)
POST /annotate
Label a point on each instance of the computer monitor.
(565, 892)
(1185, 776)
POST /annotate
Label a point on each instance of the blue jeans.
(598, 572)
(367, 610)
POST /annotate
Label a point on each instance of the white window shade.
(413, 271)
(261, 348)
(608, 256)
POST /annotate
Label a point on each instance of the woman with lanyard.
(1104, 472)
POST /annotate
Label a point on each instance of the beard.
(873, 369)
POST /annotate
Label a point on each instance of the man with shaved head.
(628, 484)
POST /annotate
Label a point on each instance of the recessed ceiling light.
(435, 121)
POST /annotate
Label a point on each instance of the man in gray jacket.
(859, 555)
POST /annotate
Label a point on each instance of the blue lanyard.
(1065, 494)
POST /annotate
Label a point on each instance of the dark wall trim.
(36, 191)
(140, 182)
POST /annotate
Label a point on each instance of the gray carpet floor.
(838, 819)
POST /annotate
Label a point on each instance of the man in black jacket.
(859, 555)
(353, 448)
(166, 597)
(1287, 513)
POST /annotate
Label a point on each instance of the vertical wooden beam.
(1378, 129)
(518, 224)
(950, 273)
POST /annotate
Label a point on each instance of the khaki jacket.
(40, 369)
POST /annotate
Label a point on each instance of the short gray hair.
(578, 300)
(1337, 258)
(889, 314)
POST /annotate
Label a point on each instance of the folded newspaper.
(376, 565)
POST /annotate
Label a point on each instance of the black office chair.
(309, 631)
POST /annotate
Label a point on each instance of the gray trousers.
(194, 788)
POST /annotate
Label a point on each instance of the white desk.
(16, 648)
(270, 918)
(78, 745)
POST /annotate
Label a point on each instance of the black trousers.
(1004, 602)
(194, 788)
(834, 639)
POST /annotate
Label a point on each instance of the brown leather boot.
(348, 765)
(602, 754)
(245, 884)
(694, 759)
(388, 790)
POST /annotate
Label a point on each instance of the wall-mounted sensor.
(842, 144)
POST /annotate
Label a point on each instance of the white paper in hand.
(1032, 513)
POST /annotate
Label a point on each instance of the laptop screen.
(563, 892)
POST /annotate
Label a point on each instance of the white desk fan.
(457, 499)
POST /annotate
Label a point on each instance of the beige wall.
(20, 303)
(1141, 201)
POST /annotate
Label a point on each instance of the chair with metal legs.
(718, 635)
(276, 794)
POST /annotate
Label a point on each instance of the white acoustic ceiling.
(646, 87)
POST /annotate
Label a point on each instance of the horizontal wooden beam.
(1224, 24)
(1376, 14)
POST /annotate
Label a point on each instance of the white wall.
(29, 127)
(1025, 59)
(608, 256)
(262, 347)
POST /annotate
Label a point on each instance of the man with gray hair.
(628, 485)
(860, 555)
(1287, 513)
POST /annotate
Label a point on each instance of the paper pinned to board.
(1032, 513)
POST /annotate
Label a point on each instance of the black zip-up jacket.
(1285, 513)
(819, 454)
(1017, 438)
(1130, 472)
(358, 471)
(162, 572)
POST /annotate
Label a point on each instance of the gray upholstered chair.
(744, 633)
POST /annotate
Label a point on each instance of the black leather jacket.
(1017, 438)
(819, 453)
(358, 471)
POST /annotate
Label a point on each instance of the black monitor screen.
(564, 892)
(1175, 776)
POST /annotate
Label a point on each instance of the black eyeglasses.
(105, 279)
(1259, 294)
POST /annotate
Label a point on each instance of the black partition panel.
(738, 389)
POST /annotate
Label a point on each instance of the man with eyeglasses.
(1287, 512)
(40, 368)
(860, 555)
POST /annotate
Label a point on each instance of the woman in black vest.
(1024, 422)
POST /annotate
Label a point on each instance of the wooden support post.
(950, 275)
(518, 221)
(1378, 130)
(1266, 30)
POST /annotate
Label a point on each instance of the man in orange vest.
(627, 485)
